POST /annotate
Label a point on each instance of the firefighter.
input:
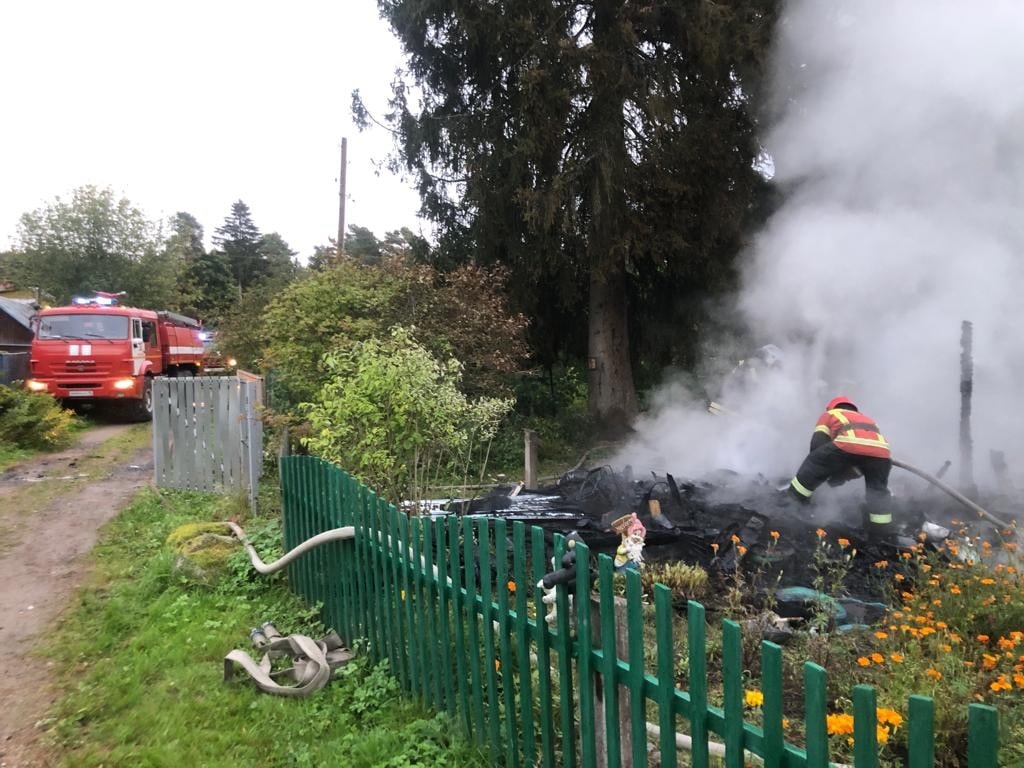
(847, 444)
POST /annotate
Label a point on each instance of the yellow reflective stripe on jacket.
(823, 428)
(877, 442)
(881, 519)
(799, 488)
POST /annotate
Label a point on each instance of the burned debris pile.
(728, 524)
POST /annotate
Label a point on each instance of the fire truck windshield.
(83, 327)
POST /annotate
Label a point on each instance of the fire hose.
(955, 494)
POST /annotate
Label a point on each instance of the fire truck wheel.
(142, 410)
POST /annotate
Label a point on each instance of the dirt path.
(51, 509)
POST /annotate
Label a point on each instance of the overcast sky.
(190, 106)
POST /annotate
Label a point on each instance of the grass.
(140, 658)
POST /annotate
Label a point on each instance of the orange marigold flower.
(840, 724)
(933, 673)
(982, 638)
(988, 661)
(925, 567)
(864, 661)
(1005, 643)
(988, 582)
(955, 590)
(844, 543)
(1000, 684)
(820, 532)
(896, 657)
(881, 564)
(881, 734)
(774, 535)
(898, 577)
(968, 663)
(511, 586)
(889, 717)
(878, 658)
(946, 648)
(734, 539)
(1018, 679)
(881, 635)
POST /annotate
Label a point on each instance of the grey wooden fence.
(207, 434)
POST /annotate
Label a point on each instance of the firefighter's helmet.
(842, 401)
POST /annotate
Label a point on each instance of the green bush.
(394, 416)
(32, 421)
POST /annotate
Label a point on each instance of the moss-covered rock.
(202, 550)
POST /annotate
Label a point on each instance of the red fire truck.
(100, 352)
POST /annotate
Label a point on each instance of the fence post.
(603, 626)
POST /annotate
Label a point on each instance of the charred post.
(966, 389)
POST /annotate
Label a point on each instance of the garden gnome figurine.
(631, 551)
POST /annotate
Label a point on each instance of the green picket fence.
(451, 604)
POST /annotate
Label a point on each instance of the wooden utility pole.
(341, 195)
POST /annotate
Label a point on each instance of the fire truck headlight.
(36, 386)
(124, 384)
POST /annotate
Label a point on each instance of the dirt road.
(51, 509)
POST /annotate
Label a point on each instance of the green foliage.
(394, 416)
(140, 659)
(33, 420)
(96, 242)
(463, 314)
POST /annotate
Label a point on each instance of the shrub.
(32, 420)
(394, 416)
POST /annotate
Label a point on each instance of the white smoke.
(899, 144)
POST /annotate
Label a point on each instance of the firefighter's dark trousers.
(827, 462)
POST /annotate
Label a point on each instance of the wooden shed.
(15, 338)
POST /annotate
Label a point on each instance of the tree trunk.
(612, 396)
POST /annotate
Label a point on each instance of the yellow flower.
(864, 661)
(955, 590)
(881, 734)
(881, 635)
(878, 658)
(754, 699)
(889, 717)
(933, 673)
(896, 657)
(988, 582)
(839, 724)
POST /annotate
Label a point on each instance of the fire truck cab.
(99, 352)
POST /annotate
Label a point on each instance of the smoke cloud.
(898, 141)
